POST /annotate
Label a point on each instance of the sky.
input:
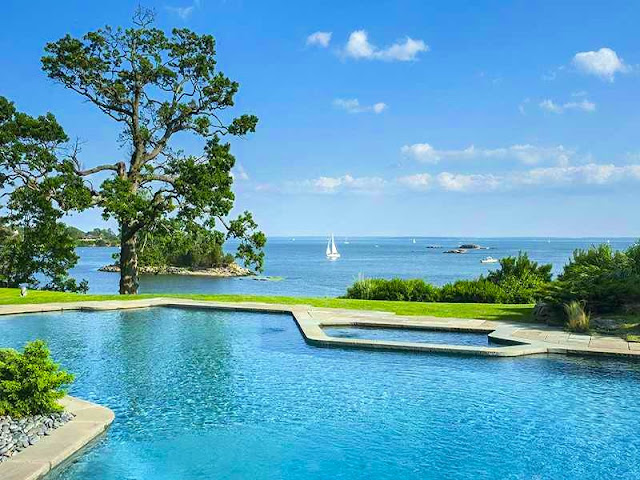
(449, 118)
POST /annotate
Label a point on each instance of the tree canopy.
(155, 86)
(38, 189)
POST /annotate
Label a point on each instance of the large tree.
(155, 86)
(38, 187)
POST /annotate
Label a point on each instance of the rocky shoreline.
(232, 270)
(16, 434)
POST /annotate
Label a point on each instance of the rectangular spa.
(205, 394)
(413, 335)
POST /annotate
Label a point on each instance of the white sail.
(334, 250)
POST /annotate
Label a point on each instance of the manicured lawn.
(483, 311)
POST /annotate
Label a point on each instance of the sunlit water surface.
(221, 395)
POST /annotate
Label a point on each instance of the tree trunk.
(128, 262)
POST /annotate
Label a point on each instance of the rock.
(604, 323)
(547, 314)
(18, 434)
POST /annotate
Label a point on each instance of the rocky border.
(89, 421)
(16, 434)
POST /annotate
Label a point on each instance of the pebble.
(16, 434)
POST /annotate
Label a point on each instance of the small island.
(230, 270)
(174, 247)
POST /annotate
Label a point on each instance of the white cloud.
(603, 63)
(183, 12)
(379, 107)
(591, 175)
(419, 181)
(345, 183)
(526, 154)
(320, 39)
(358, 47)
(583, 105)
(239, 173)
(456, 182)
(352, 105)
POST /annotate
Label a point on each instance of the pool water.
(226, 395)
(411, 335)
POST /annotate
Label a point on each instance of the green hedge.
(413, 290)
(30, 382)
(518, 280)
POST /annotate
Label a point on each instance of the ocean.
(298, 266)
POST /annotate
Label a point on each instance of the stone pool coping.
(61, 444)
(517, 338)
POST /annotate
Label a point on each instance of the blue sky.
(395, 118)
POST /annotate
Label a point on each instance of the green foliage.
(473, 291)
(396, 289)
(521, 268)
(578, 320)
(518, 280)
(604, 279)
(156, 85)
(98, 237)
(174, 243)
(30, 382)
(34, 243)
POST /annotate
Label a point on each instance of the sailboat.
(332, 251)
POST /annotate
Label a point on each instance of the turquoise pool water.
(213, 395)
(412, 335)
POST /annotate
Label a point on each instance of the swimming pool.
(202, 394)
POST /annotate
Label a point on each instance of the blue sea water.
(305, 271)
(228, 395)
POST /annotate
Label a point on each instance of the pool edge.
(520, 339)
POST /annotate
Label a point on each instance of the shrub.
(604, 279)
(361, 288)
(577, 319)
(518, 280)
(396, 289)
(472, 291)
(522, 268)
(30, 382)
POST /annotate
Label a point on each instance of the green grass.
(483, 311)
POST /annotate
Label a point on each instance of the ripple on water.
(204, 394)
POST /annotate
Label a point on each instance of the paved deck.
(517, 338)
(36, 461)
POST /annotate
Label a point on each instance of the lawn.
(483, 311)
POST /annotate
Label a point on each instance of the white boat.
(332, 251)
(414, 240)
(489, 260)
